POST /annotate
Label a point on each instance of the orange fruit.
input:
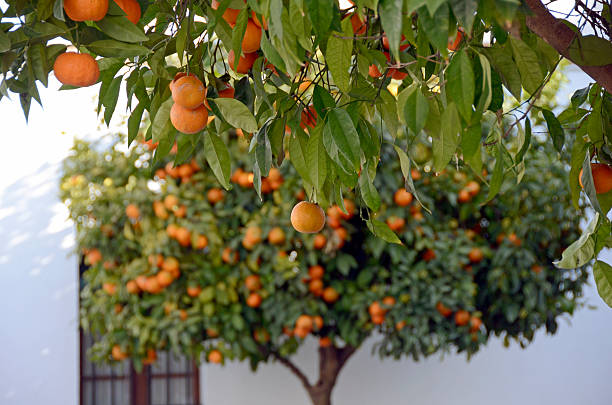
(317, 322)
(536, 268)
(189, 121)
(307, 217)
(316, 272)
(305, 85)
(160, 210)
(229, 15)
(429, 255)
(152, 285)
(119, 354)
(254, 300)
(188, 92)
(164, 278)
(415, 174)
(464, 196)
(515, 240)
(193, 290)
(388, 301)
(396, 223)
(350, 209)
(475, 324)
(454, 45)
(171, 265)
(325, 341)
(330, 295)
(259, 23)
(304, 322)
(252, 282)
(403, 43)
(131, 8)
(319, 241)
(462, 317)
(334, 212)
(229, 256)
(141, 282)
(375, 309)
(109, 265)
(215, 357)
(359, 27)
(132, 211)
(309, 117)
(151, 357)
(180, 211)
(374, 72)
(301, 332)
(252, 236)
(109, 288)
(86, 10)
(183, 236)
(201, 242)
(316, 287)
(245, 62)
(400, 325)
(76, 69)
(212, 333)
(132, 287)
(171, 201)
(183, 315)
(378, 319)
(472, 187)
(443, 310)
(93, 257)
(252, 38)
(185, 170)
(118, 308)
(276, 236)
(602, 177)
(215, 195)
(475, 255)
(177, 77)
(402, 197)
(171, 170)
(261, 336)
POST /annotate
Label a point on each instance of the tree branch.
(560, 36)
(294, 369)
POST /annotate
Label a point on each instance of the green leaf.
(498, 174)
(58, 10)
(338, 55)
(532, 75)
(110, 98)
(416, 110)
(581, 251)
(161, 119)
(525, 146)
(298, 142)
(37, 59)
(322, 101)
(390, 12)
(341, 139)
(445, 142)
(407, 173)
(182, 38)
(590, 50)
(580, 96)
(368, 191)
(321, 15)
(501, 58)
(485, 98)
(271, 53)
(218, 158)
(134, 122)
(238, 33)
(121, 29)
(5, 42)
(603, 280)
(465, 11)
(316, 159)
(436, 28)
(576, 160)
(382, 230)
(112, 48)
(460, 83)
(589, 184)
(554, 129)
(236, 114)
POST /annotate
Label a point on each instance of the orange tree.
(322, 68)
(176, 263)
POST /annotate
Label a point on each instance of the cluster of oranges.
(304, 325)
(467, 193)
(189, 115)
(317, 287)
(379, 311)
(82, 70)
(271, 183)
(183, 172)
(462, 318)
(253, 285)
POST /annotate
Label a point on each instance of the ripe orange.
(261, 335)
(378, 319)
(183, 314)
(180, 211)
(131, 8)
(400, 325)
(151, 357)
(259, 23)
(132, 287)
(375, 309)
(171, 201)
(359, 27)
(317, 322)
(374, 72)
(454, 45)
(229, 256)
(109, 265)
(515, 240)
(164, 278)
(160, 210)
(245, 62)
(464, 196)
(86, 10)
(118, 354)
(201, 242)
(215, 195)
(252, 282)
(388, 301)
(316, 272)
(309, 117)
(252, 236)
(319, 241)
(475, 323)
(215, 357)
(443, 309)
(141, 282)
(304, 322)
(189, 121)
(183, 236)
(252, 38)
(229, 15)
(171, 265)
(301, 332)
(602, 177)
(316, 286)
(109, 288)
(93, 257)
(429, 255)
(397, 74)
(472, 187)
(396, 223)
(475, 255)
(188, 92)
(193, 290)
(212, 333)
(402, 197)
(185, 170)
(254, 300)
(307, 217)
(325, 341)
(76, 69)
(118, 308)
(330, 295)
(462, 317)
(132, 211)
(276, 236)
(171, 170)
(152, 285)
(350, 209)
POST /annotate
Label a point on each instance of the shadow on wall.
(38, 338)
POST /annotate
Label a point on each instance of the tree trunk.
(560, 36)
(331, 361)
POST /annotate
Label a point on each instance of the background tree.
(178, 264)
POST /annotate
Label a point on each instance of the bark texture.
(560, 36)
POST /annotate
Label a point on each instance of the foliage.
(490, 259)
